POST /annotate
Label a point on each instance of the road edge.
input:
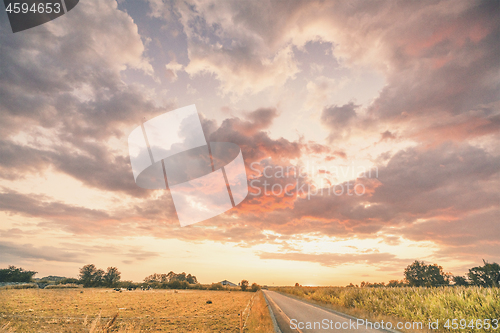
(345, 315)
(273, 318)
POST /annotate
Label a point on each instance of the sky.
(381, 119)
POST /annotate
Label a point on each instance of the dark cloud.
(75, 219)
(259, 119)
(338, 119)
(338, 116)
(387, 135)
(93, 164)
(438, 64)
(483, 121)
(60, 74)
(257, 145)
(16, 160)
(69, 253)
(474, 229)
(443, 63)
(30, 252)
(41, 206)
(62, 84)
(449, 178)
(98, 165)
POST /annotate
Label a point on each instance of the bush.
(128, 284)
(21, 286)
(64, 286)
(69, 281)
(176, 284)
(255, 287)
(244, 285)
(216, 286)
(197, 286)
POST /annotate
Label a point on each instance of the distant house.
(227, 283)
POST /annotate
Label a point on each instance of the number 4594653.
(23, 7)
(486, 324)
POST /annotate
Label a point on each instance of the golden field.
(414, 304)
(92, 310)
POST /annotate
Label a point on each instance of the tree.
(182, 277)
(297, 284)
(14, 274)
(191, 279)
(244, 285)
(98, 278)
(171, 276)
(255, 287)
(90, 276)
(435, 276)
(485, 276)
(419, 274)
(111, 277)
(156, 278)
(87, 275)
(460, 281)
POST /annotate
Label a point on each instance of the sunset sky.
(409, 91)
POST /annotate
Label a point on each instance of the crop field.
(412, 304)
(105, 310)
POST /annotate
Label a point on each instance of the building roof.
(228, 283)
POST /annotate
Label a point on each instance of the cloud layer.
(68, 99)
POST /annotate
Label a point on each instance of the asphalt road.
(294, 316)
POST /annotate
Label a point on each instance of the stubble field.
(93, 310)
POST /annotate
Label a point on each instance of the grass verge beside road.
(259, 320)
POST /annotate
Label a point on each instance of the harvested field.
(77, 310)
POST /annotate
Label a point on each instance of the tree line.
(90, 276)
(15, 274)
(170, 277)
(419, 274)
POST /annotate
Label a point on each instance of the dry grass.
(259, 320)
(6, 328)
(104, 310)
(21, 286)
(62, 286)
